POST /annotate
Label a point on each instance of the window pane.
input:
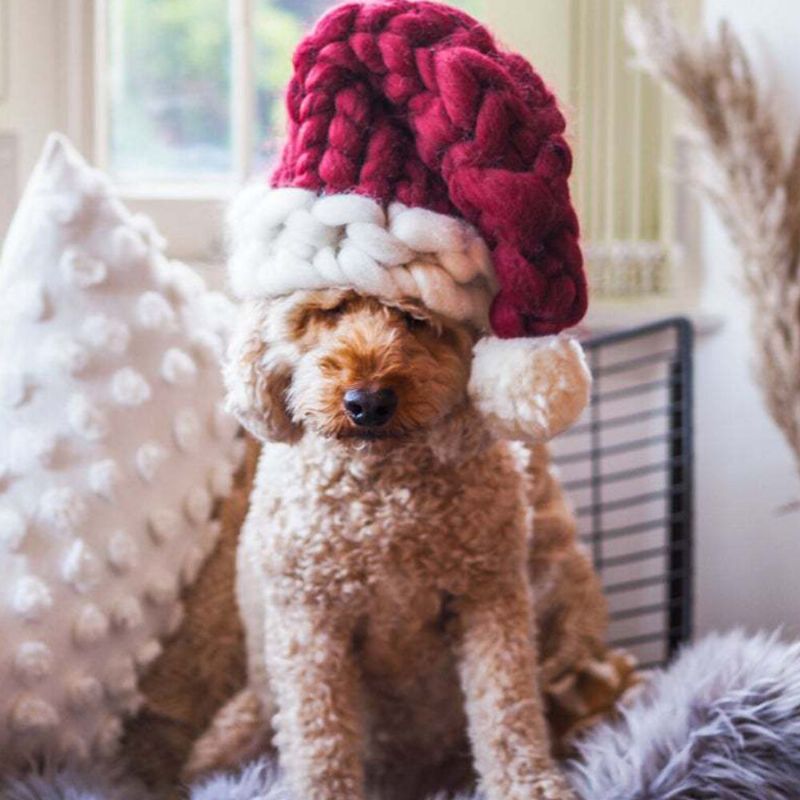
(169, 89)
(278, 26)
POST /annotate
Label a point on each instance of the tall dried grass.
(750, 178)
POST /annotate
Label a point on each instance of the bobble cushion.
(113, 451)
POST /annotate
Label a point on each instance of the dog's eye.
(413, 323)
(335, 311)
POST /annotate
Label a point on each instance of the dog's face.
(347, 367)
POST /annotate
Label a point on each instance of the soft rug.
(722, 723)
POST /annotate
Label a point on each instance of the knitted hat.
(422, 161)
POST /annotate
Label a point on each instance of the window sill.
(606, 316)
(202, 191)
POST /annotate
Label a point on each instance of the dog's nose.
(370, 408)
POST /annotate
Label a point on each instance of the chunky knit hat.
(421, 161)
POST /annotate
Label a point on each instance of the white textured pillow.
(113, 448)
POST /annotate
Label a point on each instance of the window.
(632, 211)
(188, 101)
(193, 88)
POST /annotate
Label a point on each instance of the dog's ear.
(529, 389)
(258, 374)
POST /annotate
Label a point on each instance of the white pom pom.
(121, 676)
(161, 588)
(147, 229)
(12, 529)
(175, 619)
(155, 313)
(73, 747)
(104, 478)
(123, 552)
(128, 249)
(81, 568)
(62, 354)
(164, 524)
(148, 653)
(86, 419)
(187, 430)
(226, 425)
(31, 599)
(238, 452)
(31, 448)
(178, 367)
(221, 480)
(107, 740)
(83, 692)
(193, 561)
(149, 458)
(91, 626)
(529, 389)
(81, 270)
(129, 388)
(208, 347)
(33, 662)
(104, 333)
(126, 614)
(198, 505)
(62, 508)
(184, 282)
(32, 715)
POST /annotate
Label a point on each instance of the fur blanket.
(723, 723)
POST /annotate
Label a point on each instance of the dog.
(388, 575)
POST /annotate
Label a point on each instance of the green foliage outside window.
(170, 82)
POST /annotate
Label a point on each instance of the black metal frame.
(677, 523)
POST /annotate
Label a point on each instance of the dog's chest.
(345, 529)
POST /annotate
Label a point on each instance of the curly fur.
(723, 723)
(382, 576)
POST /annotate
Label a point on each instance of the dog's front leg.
(318, 724)
(497, 662)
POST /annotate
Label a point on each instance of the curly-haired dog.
(382, 569)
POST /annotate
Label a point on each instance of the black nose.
(370, 408)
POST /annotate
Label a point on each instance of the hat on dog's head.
(422, 161)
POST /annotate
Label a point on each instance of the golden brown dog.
(388, 574)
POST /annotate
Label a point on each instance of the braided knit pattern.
(413, 101)
(287, 239)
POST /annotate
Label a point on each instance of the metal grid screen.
(627, 466)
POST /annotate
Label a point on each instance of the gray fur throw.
(722, 723)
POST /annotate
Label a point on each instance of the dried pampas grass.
(751, 180)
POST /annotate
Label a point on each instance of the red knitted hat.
(421, 161)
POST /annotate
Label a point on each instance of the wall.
(748, 551)
(32, 106)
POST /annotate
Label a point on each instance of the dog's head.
(354, 368)
(345, 366)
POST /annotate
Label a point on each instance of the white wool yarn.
(112, 451)
(529, 389)
(285, 239)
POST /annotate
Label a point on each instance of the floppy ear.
(258, 374)
(529, 389)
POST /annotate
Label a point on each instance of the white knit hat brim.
(287, 239)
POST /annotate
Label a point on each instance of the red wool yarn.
(415, 102)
